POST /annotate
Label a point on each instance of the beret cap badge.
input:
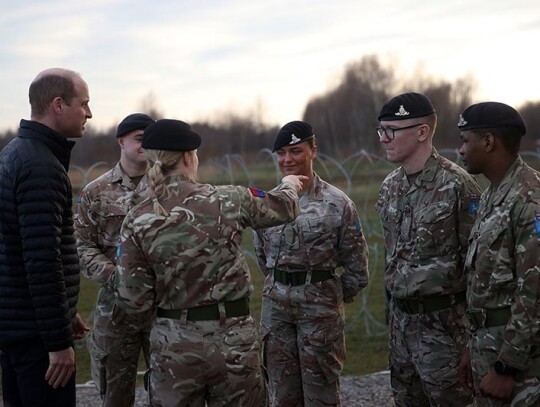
(402, 111)
(462, 121)
(293, 133)
(487, 115)
(418, 105)
(294, 139)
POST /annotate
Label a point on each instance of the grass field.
(366, 331)
(360, 177)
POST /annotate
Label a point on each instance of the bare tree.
(149, 105)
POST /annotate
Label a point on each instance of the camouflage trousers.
(115, 371)
(212, 362)
(115, 346)
(484, 347)
(303, 342)
(424, 354)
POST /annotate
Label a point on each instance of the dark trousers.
(23, 378)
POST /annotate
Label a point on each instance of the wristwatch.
(503, 369)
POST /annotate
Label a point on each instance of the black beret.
(135, 121)
(406, 106)
(293, 133)
(169, 134)
(490, 114)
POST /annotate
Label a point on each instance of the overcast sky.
(198, 58)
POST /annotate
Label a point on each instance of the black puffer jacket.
(39, 265)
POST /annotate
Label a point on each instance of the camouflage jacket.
(326, 235)
(426, 226)
(193, 256)
(503, 260)
(101, 208)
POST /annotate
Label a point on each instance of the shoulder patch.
(358, 224)
(537, 223)
(259, 193)
(472, 207)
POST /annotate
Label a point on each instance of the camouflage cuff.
(516, 358)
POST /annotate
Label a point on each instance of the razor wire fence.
(359, 175)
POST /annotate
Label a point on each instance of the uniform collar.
(501, 190)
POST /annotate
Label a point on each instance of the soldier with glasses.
(427, 208)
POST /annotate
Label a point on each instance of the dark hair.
(44, 89)
(510, 136)
(312, 142)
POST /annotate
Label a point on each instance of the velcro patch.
(472, 208)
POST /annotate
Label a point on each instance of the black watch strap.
(504, 369)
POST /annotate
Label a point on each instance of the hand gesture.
(297, 181)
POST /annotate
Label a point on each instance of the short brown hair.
(45, 89)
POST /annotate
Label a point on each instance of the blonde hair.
(160, 162)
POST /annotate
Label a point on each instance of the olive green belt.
(210, 312)
(429, 304)
(487, 318)
(299, 277)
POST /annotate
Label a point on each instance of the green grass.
(366, 337)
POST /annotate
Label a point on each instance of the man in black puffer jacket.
(39, 265)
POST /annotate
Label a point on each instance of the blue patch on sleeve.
(118, 251)
(537, 223)
(257, 192)
(472, 208)
(358, 224)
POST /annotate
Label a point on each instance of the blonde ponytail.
(159, 163)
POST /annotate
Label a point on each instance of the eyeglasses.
(391, 133)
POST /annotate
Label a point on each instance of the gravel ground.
(356, 391)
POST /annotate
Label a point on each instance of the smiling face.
(131, 149)
(297, 159)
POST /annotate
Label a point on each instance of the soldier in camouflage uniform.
(427, 208)
(503, 262)
(181, 256)
(303, 327)
(102, 206)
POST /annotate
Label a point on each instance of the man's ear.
(424, 133)
(57, 105)
(489, 142)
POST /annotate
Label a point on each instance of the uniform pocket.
(320, 236)
(436, 233)
(328, 346)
